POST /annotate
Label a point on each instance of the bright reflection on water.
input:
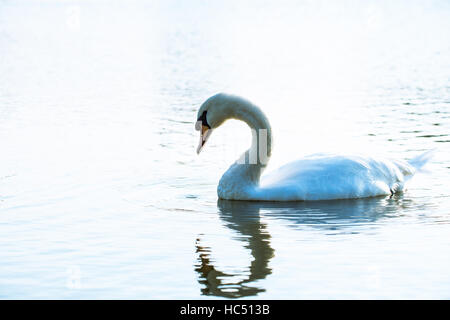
(103, 196)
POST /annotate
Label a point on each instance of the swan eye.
(202, 118)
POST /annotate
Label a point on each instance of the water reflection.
(339, 216)
(245, 219)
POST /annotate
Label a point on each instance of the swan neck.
(240, 180)
(261, 148)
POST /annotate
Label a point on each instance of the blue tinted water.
(103, 196)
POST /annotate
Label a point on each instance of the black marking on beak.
(202, 118)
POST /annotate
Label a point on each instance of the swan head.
(212, 113)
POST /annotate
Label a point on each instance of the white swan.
(316, 177)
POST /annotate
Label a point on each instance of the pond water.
(102, 194)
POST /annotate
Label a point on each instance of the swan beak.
(205, 132)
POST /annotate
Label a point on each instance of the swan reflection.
(339, 216)
(245, 219)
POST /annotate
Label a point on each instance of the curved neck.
(261, 148)
(240, 180)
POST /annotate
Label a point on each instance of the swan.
(314, 177)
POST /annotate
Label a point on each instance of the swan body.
(324, 177)
(315, 177)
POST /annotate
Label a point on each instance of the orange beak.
(205, 132)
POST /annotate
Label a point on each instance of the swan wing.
(323, 177)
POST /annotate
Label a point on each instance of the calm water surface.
(103, 196)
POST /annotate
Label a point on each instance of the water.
(103, 196)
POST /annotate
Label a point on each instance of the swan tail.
(421, 160)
